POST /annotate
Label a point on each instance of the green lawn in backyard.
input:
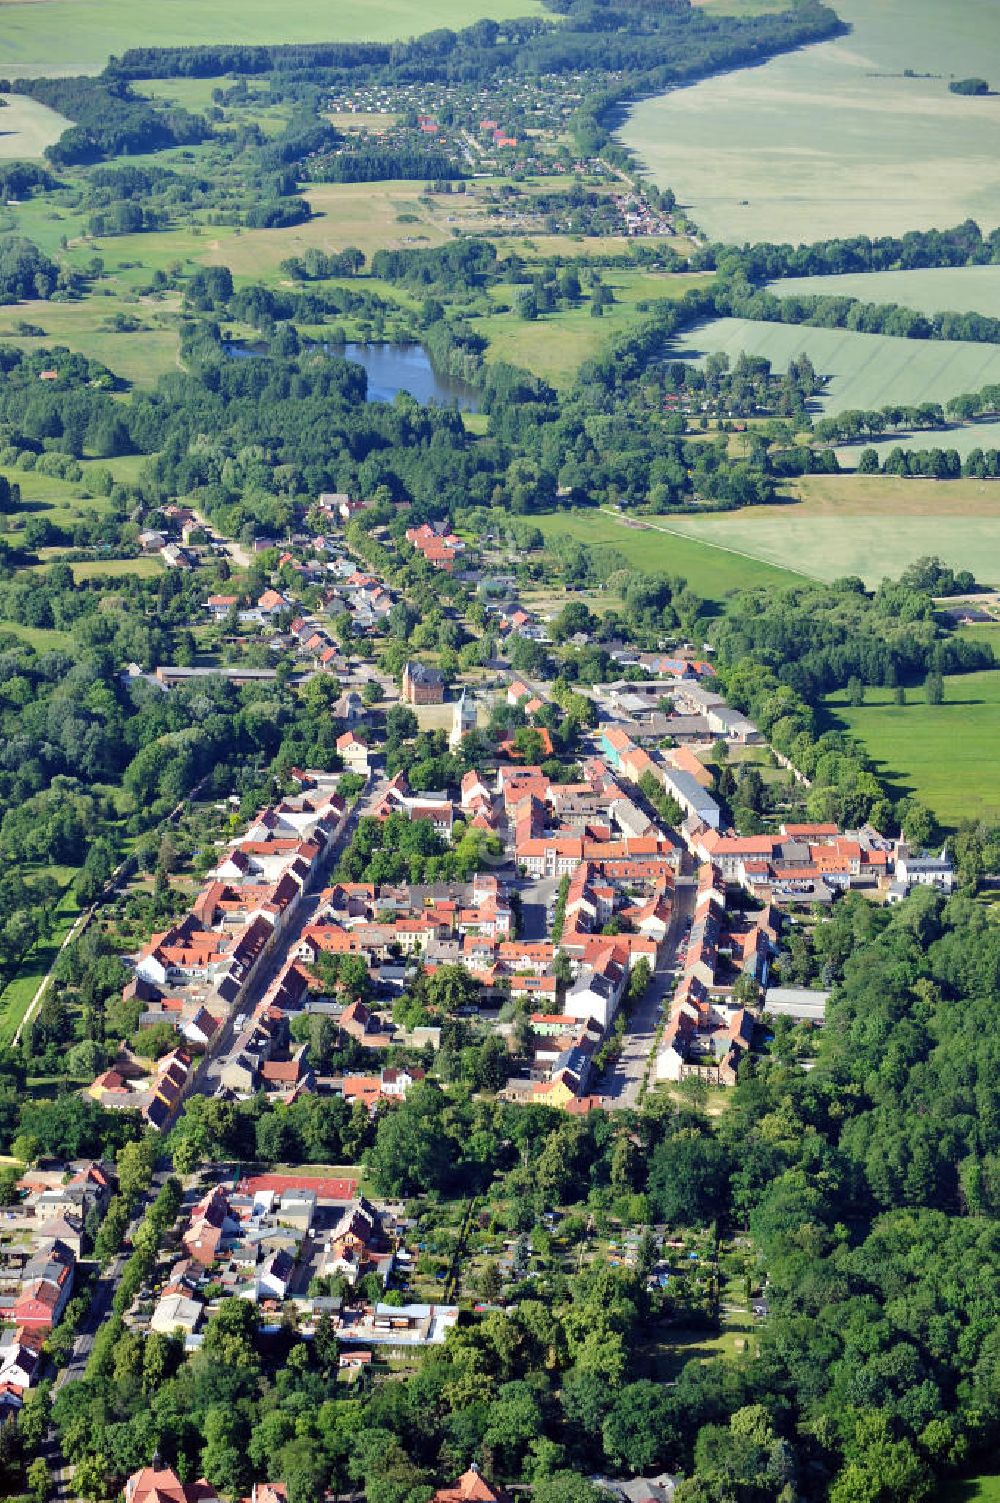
(711, 572)
(984, 1489)
(118, 568)
(872, 526)
(945, 754)
(673, 1347)
(555, 345)
(76, 36)
(105, 568)
(16, 998)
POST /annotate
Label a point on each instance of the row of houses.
(196, 974)
(710, 1028)
(42, 1238)
(161, 1484)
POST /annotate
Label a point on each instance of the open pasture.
(85, 326)
(556, 344)
(932, 289)
(869, 526)
(46, 36)
(945, 754)
(834, 139)
(60, 502)
(865, 370)
(363, 214)
(27, 127)
(655, 548)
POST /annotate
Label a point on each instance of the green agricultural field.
(556, 344)
(865, 370)
(872, 526)
(945, 754)
(934, 289)
(712, 572)
(118, 568)
(46, 36)
(27, 127)
(834, 139)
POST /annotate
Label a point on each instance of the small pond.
(390, 368)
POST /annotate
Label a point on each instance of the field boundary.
(694, 537)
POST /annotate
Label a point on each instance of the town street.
(619, 1085)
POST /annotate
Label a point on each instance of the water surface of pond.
(390, 368)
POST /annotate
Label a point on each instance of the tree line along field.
(51, 36)
(872, 526)
(963, 439)
(945, 754)
(864, 370)
(932, 289)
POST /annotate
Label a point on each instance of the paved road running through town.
(619, 1086)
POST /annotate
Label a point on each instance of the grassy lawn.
(110, 568)
(872, 526)
(973, 1490)
(42, 638)
(16, 997)
(52, 36)
(61, 502)
(84, 326)
(556, 344)
(946, 754)
(711, 572)
(676, 1346)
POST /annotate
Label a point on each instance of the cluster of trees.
(855, 423)
(25, 271)
(747, 388)
(315, 265)
(741, 300)
(109, 120)
(816, 637)
(399, 849)
(371, 164)
(963, 245)
(460, 264)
